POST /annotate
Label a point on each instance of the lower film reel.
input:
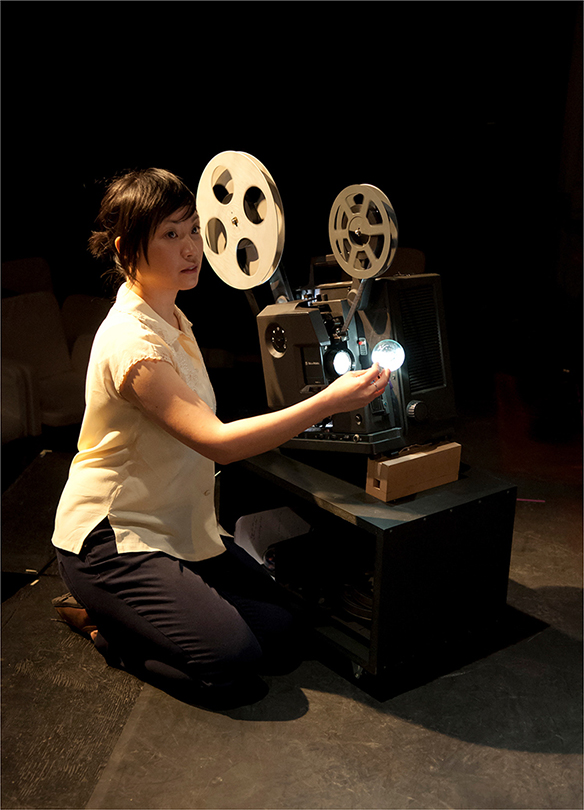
(242, 219)
(363, 231)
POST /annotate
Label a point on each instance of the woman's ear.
(117, 243)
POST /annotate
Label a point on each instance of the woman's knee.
(238, 648)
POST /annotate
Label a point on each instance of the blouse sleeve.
(122, 349)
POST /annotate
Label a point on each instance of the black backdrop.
(467, 115)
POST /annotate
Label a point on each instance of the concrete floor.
(502, 732)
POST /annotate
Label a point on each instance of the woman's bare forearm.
(160, 393)
(234, 441)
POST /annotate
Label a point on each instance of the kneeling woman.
(161, 592)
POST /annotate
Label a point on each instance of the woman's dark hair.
(132, 208)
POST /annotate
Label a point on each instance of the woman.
(161, 593)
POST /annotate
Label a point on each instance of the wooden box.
(431, 466)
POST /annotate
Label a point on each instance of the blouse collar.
(129, 301)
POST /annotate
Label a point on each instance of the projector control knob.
(417, 410)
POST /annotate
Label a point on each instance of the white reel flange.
(363, 231)
(242, 219)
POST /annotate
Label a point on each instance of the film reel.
(363, 231)
(242, 219)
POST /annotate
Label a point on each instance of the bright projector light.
(389, 354)
(342, 362)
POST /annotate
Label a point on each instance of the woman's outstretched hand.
(355, 389)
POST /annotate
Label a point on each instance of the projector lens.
(342, 362)
(389, 354)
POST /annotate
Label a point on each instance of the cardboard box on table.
(433, 465)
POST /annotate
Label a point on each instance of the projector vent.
(421, 339)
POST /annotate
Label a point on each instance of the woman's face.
(175, 254)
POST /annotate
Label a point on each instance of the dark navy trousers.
(178, 623)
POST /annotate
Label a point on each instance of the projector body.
(300, 340)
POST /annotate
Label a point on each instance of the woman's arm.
(166, 399)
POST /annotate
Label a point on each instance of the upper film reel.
(363, 231)
(242, 218)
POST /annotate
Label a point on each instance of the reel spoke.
(370, 254)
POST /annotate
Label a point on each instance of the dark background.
(467, 115)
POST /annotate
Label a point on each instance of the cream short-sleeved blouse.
(157, 493)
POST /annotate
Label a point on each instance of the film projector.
(391, 587)
(310, 337)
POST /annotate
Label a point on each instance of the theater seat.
(34, 339)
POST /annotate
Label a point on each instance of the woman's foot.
(75, 615)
